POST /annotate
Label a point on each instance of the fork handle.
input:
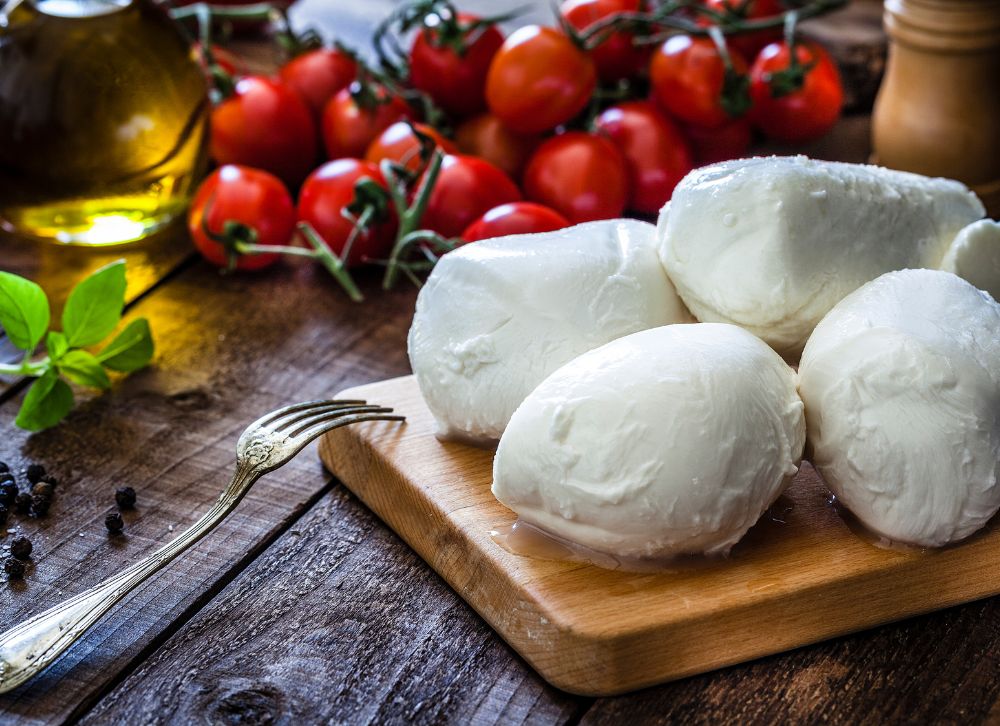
(30, 647)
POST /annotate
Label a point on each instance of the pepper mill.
(938, 110)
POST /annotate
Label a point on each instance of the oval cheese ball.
(901, 382)
(497, 316)
(771, 244)
(666, 442)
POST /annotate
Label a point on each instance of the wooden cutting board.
(600, 632)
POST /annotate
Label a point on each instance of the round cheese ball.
(975, 256)
(665, 442)
(901, 382)
(497, 316)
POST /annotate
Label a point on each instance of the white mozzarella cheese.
(975, 256)
(498, 316)
(665, 442)
(901, 382)
(771, 244)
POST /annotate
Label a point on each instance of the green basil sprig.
(92, 312)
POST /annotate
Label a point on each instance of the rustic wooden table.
(302, 607)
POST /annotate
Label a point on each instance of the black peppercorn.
(3, 467)
(3, 514)
(50, 480)
(13, 568)
(125, 497)
(8, 493)
(22, 502)
(43, 489)
(40, 505)
(6, 476)
(35, 472)
(21, 548)
(114, 522)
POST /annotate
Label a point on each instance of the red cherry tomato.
(616, 57)
(454, 80)
(538, 80)
(466, 188)
(485, 136)
(321, 203)
(804, 114)
(249, 196)
(687, 75)
(729, 141)
(398, 143)
(318, 75)
(264, 124)
(348, 129)
(514, 218)
(581, 176)
(656, 153)
(748, 44)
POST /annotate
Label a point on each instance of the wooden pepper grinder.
(938, 110)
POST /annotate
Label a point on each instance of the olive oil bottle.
(103, 119)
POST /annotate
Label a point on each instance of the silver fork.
(265, 445)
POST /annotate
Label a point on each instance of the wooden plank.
(337, 622)
(596, 631)
(228, 350)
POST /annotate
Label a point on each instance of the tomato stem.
(330, 261)
(410, 217)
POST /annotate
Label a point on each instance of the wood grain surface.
(799, 576)
(304, 607)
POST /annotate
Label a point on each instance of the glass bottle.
(103, 119)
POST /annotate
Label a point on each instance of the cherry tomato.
(318, 75)
(656, 153)
(485, 136)
(514, 218)
(229, 62)
(398, 143)
(538, 80)
(581, 176)
(266, 125)
(804, 114)
(453, 71)
(687, 76)
(466, 188)
(729, 141)
(748, 44)
(348, 129)
(616, 57)
(249, 196)
(321, 203)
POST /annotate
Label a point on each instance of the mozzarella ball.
(497, 316)
(665, 442)
(975, 256)
(771, 244)
(901, 382)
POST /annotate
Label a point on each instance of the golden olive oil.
(103, 119)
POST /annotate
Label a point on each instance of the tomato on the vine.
(266, 125)
(729, 141)
(451, 69)
(581, 176)
(485, 136)
(656, 153)
(466, 188)
(687, 76)
(322, 200)
(398, 143)
(318, 75)
(538, 80)
(349, 128)
(785, 110)
(748, 44)
(616, 57)
(250, 197)
(514, 218)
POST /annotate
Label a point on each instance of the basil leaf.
(56, 344)
(131, 349)
(94, 306)
(48, 401)
(83, 368)
(24, 310)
